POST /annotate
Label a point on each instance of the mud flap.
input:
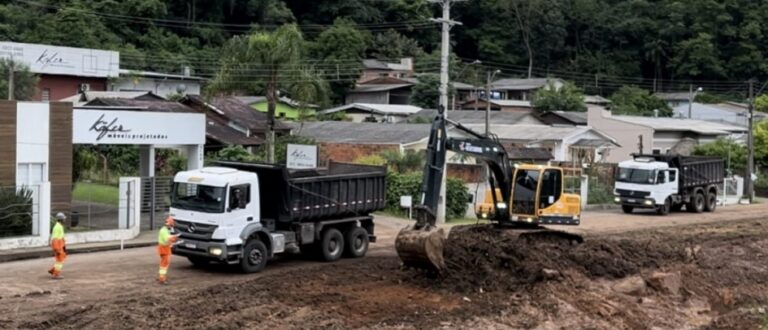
(423, 249)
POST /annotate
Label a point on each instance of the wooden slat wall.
(60, 156)
(7, 143)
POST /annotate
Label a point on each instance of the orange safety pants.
(165, 261)
(59, 255)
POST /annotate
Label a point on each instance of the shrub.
(410, 184)
(15, 212)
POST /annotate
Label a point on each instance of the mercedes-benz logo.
(191, 228)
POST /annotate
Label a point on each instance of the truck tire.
(711, 203)
(696, 204)
(357, 242)
(332, 244)
(198, 261)
(627, 209)
(664, 209)
(255, 256)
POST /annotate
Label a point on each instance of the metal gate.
(155, 200)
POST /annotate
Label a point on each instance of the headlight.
(484, 215)
(529, 219)
(616, 199)
(501, 205)
(575, 217)
(515, 218)
(215, 251)
(647, 202)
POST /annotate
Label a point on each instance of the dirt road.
(720, 260)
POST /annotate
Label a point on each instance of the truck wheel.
(254, 257)
(627, 209)
(663, 209)
(197, 261)
(711, 204)
(696, 205)
(332, 244)
(357, 242)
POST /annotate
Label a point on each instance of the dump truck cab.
(538, 196)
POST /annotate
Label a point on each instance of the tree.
(698, 57)
(267, 61)
(426, 93)
(733, 153)
(567, 98)
(761, 103)
(392, 45)
(630, 100)
(24, 81)
(342, 49)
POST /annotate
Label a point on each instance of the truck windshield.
(195, 197)
(634, 175)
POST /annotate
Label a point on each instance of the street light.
(488, 102)
(459, 75)
(691, 97)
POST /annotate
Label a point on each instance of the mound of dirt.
(497, 259)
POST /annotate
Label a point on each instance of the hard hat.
(169, 221)
(60, 216)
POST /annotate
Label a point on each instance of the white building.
(162, 84)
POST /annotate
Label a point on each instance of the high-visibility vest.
(58, 231)
(164, 241)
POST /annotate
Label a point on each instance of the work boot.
(57, 277)
(50, 271)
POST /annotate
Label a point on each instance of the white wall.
(32, 132)
(162, 87)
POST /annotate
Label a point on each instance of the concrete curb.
(36, 254)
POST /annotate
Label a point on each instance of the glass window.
(524, 192)
(551, 187)
(672, 176)
(190, 196)
(46, 94)
(657, 151)
(239, 196)
(30, 174)
(660, 177)
(634, 175)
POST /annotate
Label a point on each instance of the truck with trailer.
(246, 213)
(668, 183)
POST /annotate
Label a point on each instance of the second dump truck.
(246, 213)
(669, 183)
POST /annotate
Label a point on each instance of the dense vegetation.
(600, 45)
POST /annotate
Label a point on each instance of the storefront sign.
(95, 126)
(301, 156)
(46, 59)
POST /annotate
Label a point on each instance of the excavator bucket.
(420, 248)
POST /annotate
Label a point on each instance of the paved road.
(26, 287)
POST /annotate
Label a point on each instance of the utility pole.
(488, 101)
(11, 67)
(750, 187)
(447, 23)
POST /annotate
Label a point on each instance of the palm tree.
(268, 62)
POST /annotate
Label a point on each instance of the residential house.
(83, 98)
(499, 105)
(373, 68)
(658, 135)
(381, 91)
(731, 113)
(163, 84)
(285, 108)
(522, 89)
(478, 117)
(564, 118)
(529, 155)
(380, 113)
(675, 99)
(348, 141)
(64, 71)
(566, 143)
(232, 122)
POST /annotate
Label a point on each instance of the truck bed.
(340, 190)
(695, 171)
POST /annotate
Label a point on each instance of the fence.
(19, 211)
(155, 200)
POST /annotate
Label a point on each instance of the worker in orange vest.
(58, 245)
(164, 242)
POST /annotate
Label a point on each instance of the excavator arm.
(480, 147)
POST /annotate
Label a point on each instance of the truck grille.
(632, 193)
(195, 230)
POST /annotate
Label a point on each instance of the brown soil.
(494, 280)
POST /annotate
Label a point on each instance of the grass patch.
(96, 193)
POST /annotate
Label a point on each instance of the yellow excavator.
(524, 196)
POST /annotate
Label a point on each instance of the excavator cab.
(537, 197)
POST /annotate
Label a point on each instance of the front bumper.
(635, 202)
(196, 248)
